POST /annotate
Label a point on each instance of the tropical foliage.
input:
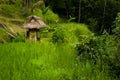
(81, 41)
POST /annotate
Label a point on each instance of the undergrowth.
(44, 61)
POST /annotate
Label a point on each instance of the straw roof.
(34, 22)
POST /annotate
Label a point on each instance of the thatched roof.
(34, 22)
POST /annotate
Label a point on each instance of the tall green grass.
(4, 37)
(34, 61)
(44, 61)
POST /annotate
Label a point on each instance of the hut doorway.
(33, 34)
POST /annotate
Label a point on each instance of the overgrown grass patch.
(44, 61)
(35, 61)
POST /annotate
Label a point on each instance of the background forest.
(81, 41)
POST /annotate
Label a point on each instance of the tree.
(104, 12)
(79, 12)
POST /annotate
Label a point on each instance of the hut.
(33, 24)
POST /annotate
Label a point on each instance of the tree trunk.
(104, 12)
(79, 11)
(67, 9)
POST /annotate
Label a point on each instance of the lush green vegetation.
(45, 61)
(67, 49)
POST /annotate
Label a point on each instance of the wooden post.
(28, 33)
(35, 37)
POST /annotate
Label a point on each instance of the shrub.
(102, 51)
(49, 16)
(58, 35)
(19, 38)
(117, 20)
(116, 28)
(69, 32)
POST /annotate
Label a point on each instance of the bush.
(49, 16)
(58, 35)
(117, 20)
(102, 51)
(69, 32)
(19, 38)
(116, 28)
